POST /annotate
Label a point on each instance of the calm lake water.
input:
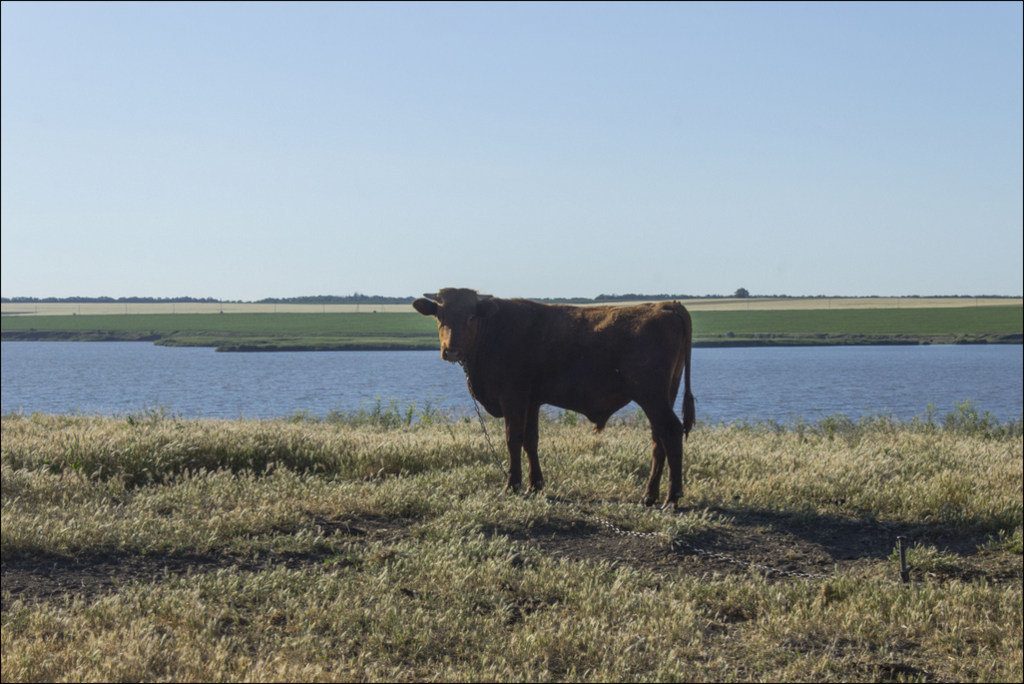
(782, 384)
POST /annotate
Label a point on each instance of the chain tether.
(480, 417)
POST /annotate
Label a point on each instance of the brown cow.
(594, 360)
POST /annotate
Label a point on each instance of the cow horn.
(429, 295)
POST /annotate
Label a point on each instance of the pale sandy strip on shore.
(751, 304)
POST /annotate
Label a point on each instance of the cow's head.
(459, 313)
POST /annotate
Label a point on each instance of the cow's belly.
(585, 394)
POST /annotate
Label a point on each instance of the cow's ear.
(486, 307)
(425, 307)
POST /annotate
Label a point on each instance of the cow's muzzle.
(451, 355)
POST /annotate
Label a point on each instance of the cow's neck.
(473, 375)
(477, 378)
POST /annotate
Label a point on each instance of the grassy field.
(377, 546)
(733, 326)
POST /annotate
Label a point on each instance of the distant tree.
(741, 293)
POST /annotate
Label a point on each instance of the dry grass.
(378, 548)
(838, 303)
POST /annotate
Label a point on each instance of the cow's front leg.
(515, 425)
(530, 443)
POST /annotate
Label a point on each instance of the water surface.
(782, 384)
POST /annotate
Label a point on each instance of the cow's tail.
(689, 407)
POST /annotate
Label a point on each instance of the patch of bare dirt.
(777, 546)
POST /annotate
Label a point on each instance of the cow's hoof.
(671, 504)
(512, 487)
(535, 487)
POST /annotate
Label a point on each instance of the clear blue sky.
(243, 151)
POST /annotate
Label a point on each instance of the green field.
(313, 331)
(378, 547)
(238, 331)
(861, 326)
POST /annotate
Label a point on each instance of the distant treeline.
(358, 298)
(107, 300)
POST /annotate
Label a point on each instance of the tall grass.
(376, 546)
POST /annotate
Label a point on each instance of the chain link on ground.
(676, 542)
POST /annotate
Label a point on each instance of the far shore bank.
(417, 344)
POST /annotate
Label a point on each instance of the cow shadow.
(856, 536)
(795, 542)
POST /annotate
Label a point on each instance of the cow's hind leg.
(667, 438)
(530, 439)
(654, 481)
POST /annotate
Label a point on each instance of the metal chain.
(480, 417)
